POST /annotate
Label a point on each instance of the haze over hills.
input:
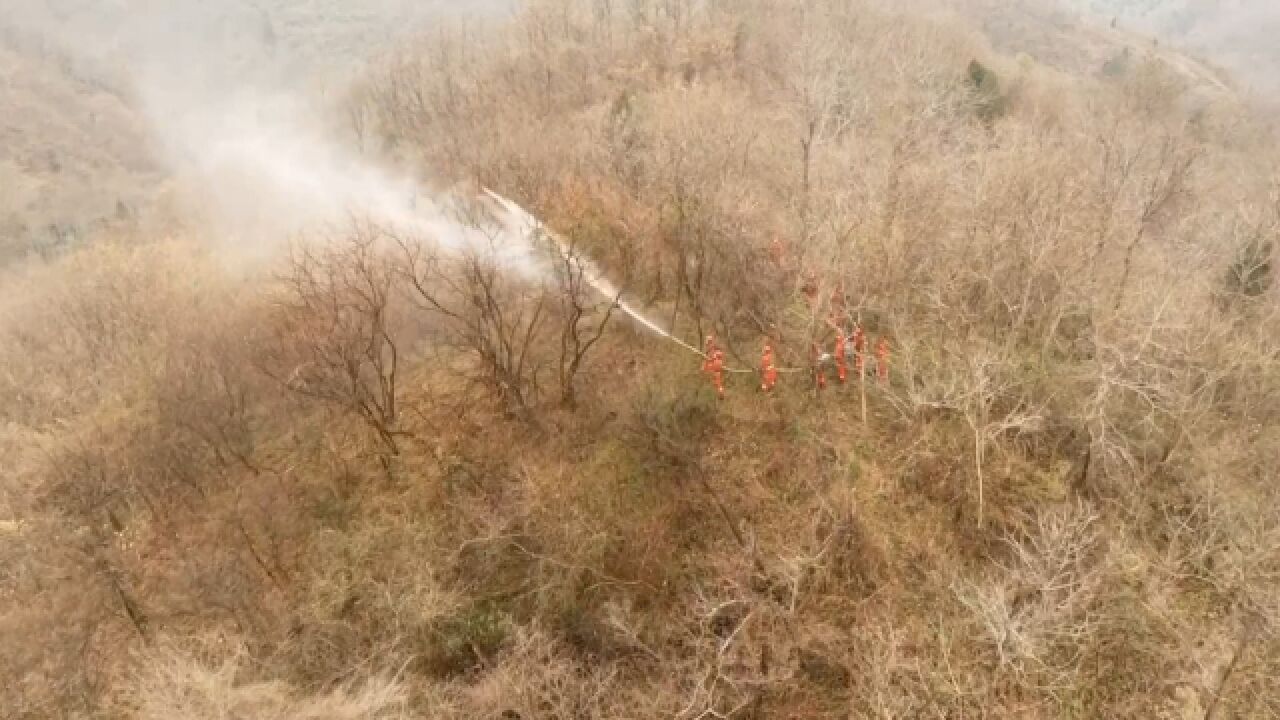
(111, 99)
(73, 148)
(1239, 35)
(105, 101)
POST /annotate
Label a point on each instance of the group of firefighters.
(714, 365)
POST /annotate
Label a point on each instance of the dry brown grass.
(178, 684)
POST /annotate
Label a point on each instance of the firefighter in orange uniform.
(768, 370)
(714, 366)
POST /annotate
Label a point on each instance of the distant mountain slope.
(73, 150)
(1240, 35)
(1069, 37)
(85, 84)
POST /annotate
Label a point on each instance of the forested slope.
(390, 474)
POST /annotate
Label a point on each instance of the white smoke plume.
(234, 97)
(233, 94)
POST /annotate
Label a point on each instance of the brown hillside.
(377, 479)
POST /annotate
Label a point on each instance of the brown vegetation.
(385, 480)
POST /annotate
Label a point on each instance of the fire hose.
(605, 288)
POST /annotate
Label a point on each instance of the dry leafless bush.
(1037, 614)
(338, 336)
(212, 682)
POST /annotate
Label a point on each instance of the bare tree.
(582, 322)
(1162, 186)
(1036, 608)
(334, 339)
(480, 308)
